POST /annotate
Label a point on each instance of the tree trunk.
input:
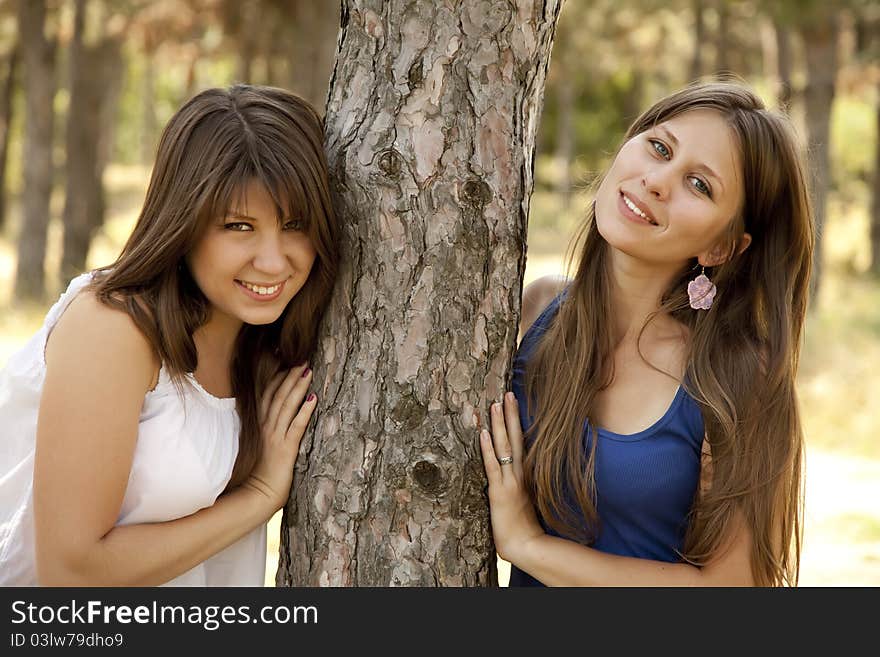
(38, 55)
(783, 65)
(821, 53)
(431, 123)
(150, 136)
(565, 141)
(696, 69)
(722, 60)
(93, 68)
(875, 195)
(7, 87)
(315, 25)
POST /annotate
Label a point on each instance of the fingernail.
(311, 397)
(484, 435)
(306, 372)
(510, 397)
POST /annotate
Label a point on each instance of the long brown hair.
(741, 359)
(211, 148)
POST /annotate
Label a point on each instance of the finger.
(298, 425)
(293, 402)
(514, 429)
(490, 463)
(269, 392)
(278, 400)
(503, 450)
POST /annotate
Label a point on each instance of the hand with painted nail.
(514, 522)
(285, 413)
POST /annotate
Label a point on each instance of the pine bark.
(38, 55)
(431, 123)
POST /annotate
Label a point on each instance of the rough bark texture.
(93, 68)
(820, 37)
(38, 56)
(431, 123)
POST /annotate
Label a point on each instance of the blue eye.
(701, 186)
(661, 149)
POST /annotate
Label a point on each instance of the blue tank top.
(645, 482)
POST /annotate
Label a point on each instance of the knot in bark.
(429, 477)
(476, 193)
(409, 412)
(389, 163)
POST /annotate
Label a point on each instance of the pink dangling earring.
(701, 292)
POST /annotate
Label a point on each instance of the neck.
(637, 288)
(215, 339)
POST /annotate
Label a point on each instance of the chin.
(261, 318)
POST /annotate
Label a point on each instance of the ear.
(719, 254)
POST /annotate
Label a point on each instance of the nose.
(270, 257)
(656, 182)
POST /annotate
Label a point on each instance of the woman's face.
(248, 264)
(673, 191)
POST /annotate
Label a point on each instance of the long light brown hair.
(741, 359)
(220, 140)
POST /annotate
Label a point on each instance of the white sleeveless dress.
(186, 448)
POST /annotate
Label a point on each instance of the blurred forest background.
(87, 85)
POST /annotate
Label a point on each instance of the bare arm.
(99, 367)
(554, 561)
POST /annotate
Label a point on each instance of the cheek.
(303, 253)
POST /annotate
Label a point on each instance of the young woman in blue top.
(654, 392)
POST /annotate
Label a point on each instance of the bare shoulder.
(536, 296)
(91, 335)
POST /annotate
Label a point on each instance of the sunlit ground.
(839, 381)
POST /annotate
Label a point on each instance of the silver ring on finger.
(505, 460)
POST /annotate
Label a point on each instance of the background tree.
(8, 70)
(431, 124)
(38, 58)
(95, 76)
(819, 28)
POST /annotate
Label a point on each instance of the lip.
(262, 297)
(632, 216)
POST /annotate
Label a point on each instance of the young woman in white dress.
(149, 429)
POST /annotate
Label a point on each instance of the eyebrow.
(235, 214)
(700, 167)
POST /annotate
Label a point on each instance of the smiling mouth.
(636, 210)
(261, 290)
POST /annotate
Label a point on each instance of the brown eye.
(237, 226)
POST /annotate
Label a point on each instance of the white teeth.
(259, 289)
(632, 206)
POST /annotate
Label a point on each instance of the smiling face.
(673, 191)
(248, 264)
